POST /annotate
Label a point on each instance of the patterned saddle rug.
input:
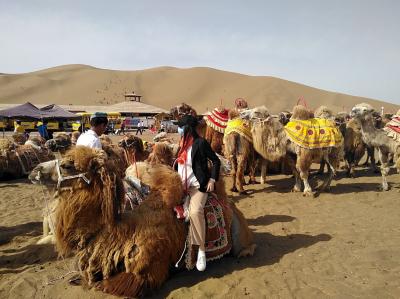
(314, 133)
(217, 119)
(240, 127)
(392, 128)
(218, 234)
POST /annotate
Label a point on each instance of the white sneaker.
(201, 260)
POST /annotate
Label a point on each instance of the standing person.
(42, 129)
(197, 180)
(98, 125)
(139, 128)
(19, 128)
(123, 127)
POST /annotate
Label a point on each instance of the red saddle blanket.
(218, 216)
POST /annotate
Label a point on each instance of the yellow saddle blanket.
(239, 126)
(314, 133)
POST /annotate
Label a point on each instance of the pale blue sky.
(346, 46)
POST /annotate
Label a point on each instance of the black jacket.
(201, 154)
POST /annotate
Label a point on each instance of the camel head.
(323, 112)
(45, 173)
(132, 143)
(82, 161)
(361, 111)
(184, 109)
(284, 117)
(36, 142)
(301, 112)
(60, 142)
(258, 113)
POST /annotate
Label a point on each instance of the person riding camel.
(197, 179)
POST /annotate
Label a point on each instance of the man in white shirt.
(139, 127)
(98, 125)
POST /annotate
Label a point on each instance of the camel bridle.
(62, 178)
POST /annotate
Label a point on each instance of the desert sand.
(203, 88)
(342, 244)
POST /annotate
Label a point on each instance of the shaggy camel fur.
(376, 138)
(162, 154)
(215, 139)
(114, 153)
(271, 141)
(123, 254)
(19, 138)
(240, 153)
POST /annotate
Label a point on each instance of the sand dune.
(165, 87)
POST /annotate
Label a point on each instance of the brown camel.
(271, 140)
(115, 153)
(123, 254)
(238, 149)
(16, 161)
(377, 138)
(61, 142)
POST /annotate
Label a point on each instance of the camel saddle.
(217, 119)
(392, 128)
(314, 133)
(218, 233)
(240, 127)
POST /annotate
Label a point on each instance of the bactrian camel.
(377, 138)
(271, 140)
(121, 253)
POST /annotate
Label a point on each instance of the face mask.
(180, 131)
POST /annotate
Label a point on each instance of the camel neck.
(368, 130)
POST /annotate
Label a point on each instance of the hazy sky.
(346, 46)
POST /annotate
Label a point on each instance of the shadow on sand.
(270, 219)
(270, 250)
(18, 260)
(26, 229)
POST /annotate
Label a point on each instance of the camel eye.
(66, 166)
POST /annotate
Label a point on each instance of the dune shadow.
(25, 229)
(270, 219)
(270, 250)
(17, 260)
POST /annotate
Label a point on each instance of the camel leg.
(263, 178)
(253, 163)
(371, 154)
(321, 167)
(292, 164)
(303, 166)
(233, 161)
(331, 173)
(46, 229)
(241, 165)
(349, 159)
(383, 157)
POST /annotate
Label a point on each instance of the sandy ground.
(338, 245)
